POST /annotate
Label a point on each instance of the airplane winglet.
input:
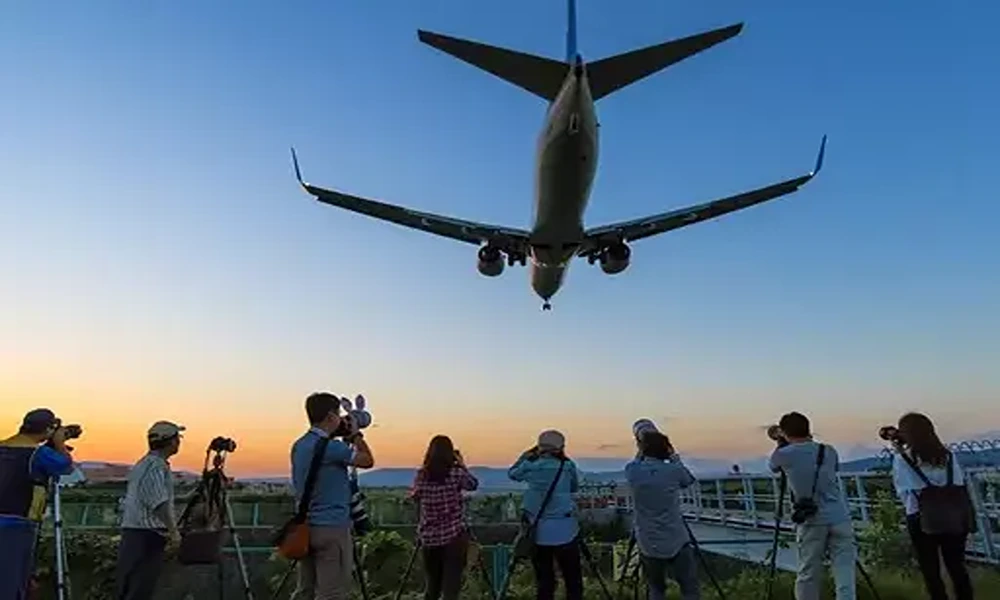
(295, 163)
(819, 157)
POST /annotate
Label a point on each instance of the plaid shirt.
(442, 507)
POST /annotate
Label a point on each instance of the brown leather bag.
(292, 539)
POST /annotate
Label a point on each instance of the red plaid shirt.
(442, 507)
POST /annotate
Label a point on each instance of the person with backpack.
(939, 515)
(551, 526)
(820, 513)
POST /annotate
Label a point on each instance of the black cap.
(39, 421)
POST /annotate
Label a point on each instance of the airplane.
(566, 162)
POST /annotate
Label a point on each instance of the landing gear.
(546, 306)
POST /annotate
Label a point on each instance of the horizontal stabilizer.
(539, 75)
(615, 72)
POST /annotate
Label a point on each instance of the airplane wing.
(505, 238)
(637, 229)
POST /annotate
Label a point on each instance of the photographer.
(823, 522)
(922, 459)
(28, 462)
(149, 526)
(655, 480)
(546, 467)
(442, 530)
(326, 572)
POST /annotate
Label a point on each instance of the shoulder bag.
(292, 539)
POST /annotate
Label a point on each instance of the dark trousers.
(682, 568)
(930, 550)
(567, 557)
(444, 566)
(17, 559)
(140, 558)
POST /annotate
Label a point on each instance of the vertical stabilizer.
(571, 33)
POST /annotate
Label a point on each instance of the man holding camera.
(149, 526)
(823, 521)
(325, 574)
(28, 462)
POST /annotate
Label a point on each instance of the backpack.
(946, 509)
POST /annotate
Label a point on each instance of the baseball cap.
(551, 440)
(39, 420)
(164, 430)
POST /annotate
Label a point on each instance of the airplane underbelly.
(566, 174)
(546, 280)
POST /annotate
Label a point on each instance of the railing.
(736, 501)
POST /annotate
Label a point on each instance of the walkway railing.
(734, 501)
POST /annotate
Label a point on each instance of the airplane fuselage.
(566, 163)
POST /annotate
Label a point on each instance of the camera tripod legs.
(585, 554)
(479, 563)
(62, 581)
(228, 520)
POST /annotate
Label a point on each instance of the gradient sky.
(159, 261)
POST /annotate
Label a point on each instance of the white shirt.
(908, 483)
(150, 484)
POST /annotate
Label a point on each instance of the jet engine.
(490, 261)
(614, 258)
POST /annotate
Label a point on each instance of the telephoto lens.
(889, 433)
(73, 431)
(774, 432)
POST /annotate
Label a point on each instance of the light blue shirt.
(330, 505)
(656, 493)
(558, 524)
(798, 460)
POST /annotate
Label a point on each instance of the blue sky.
(160, 260)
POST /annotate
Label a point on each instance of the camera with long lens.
(890, 434)
(222, 444)
(73, 431)
(356, 418)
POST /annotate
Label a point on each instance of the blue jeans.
(17, 558)
(683, 568)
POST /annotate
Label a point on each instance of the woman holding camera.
(442, 528)
(923, 460)
(548, 506)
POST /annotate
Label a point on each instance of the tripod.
(479, 563)
(62, 566)
(694, 545)
(585, 553)
(211, 491)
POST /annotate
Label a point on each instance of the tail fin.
(536, 74)
(571, 33)
(613, 73)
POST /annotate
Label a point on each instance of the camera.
(222, 444)
(774, 432)
(803, 510)
(890, 434)
(356, 419)
(73, 431)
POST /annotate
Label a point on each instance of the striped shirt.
(150, 484)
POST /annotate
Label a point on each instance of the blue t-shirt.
(558, 524)
(45, 464)
(798, 460)
(659, 524)
(331, 501)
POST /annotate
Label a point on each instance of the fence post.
(750, 502)
(859, 485)
(721, 500)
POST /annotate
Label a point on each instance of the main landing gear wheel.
(546, 306)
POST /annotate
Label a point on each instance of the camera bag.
(946, 509)
(292, 538)
(524, 544)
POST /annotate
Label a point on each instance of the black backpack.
(945, 509)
